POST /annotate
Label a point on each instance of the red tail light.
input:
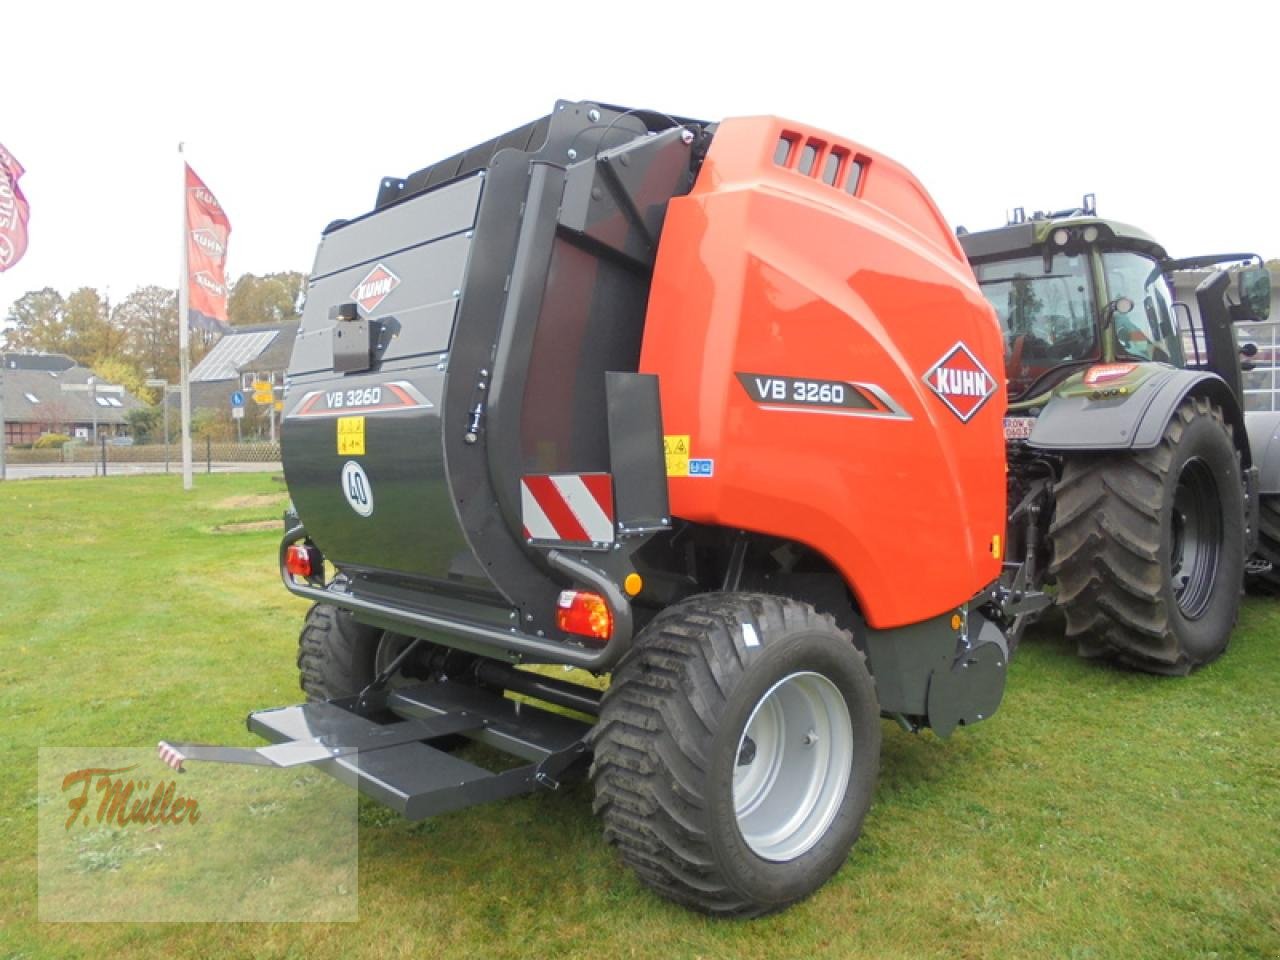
(297, 560)
(585, 614)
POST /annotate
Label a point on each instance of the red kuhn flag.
(207, 231)
(13, 211)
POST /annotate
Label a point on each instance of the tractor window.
(1047, 315)
(1147, 331)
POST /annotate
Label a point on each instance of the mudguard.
(1107, 420)
(1263, 429)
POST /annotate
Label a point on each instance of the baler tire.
(336, 654)
(1115, 534)
(696, 821)
(1268, 583)
(339, 656)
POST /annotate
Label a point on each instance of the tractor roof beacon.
(703, 406)
(1135, 477)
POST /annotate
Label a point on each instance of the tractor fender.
(1263, 428)
(1135, 420)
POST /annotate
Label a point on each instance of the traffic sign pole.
(237, 413)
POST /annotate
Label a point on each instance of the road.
(28, 471)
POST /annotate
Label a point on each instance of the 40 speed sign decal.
(356, 488)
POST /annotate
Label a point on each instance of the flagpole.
(4, 438)
(184, 339)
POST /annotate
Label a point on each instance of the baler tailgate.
(394, 762)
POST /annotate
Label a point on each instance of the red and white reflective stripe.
(170, 756)
(568, 507)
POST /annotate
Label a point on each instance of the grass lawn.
(1100, 814)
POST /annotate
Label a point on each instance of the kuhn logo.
(207, 198)
(209, 242)
(8, 202)
(375, 288)
(961, 382)
(208, 283)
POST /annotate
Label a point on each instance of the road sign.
(263, 398)
(237, 413)
(262, 386)
(279, 405)
(237, 399)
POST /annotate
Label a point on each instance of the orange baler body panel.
(771, 284)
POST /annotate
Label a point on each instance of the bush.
(146, 424)
(49, 440)
(215, 425)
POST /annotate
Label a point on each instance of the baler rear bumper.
(395, 762)
(492, 641)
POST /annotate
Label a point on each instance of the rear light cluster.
(584, 614)
(303, 561)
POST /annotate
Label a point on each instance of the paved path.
(27, 471)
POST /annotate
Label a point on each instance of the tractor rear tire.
(1149, 546)
(336, 654)
(1268, 546)
(737, 752)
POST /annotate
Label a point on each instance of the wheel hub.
(794, 760)
(390, 646)
(1196, 538)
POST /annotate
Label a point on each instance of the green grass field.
(1100, 814)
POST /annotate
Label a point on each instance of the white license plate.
(1018, 428)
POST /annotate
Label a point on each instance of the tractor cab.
(1071, 291)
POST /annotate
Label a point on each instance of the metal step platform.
(395, 762)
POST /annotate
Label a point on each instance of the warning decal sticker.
(568, 508)
(351, 436)
(676, 448)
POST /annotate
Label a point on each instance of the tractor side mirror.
(1120, 305)
(1254, 284)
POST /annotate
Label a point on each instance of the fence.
(205, 453)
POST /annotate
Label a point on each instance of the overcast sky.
(291, 112)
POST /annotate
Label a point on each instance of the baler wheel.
(336, 654)
(1149, 546)
(737, 752)
(338, 657)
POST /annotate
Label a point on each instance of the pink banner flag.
(207, 231)
(14, 211)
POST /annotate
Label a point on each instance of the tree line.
(136, 339)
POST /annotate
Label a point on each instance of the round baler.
(709, 411)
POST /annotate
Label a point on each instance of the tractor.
(1135, 477)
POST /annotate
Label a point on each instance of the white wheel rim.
(792, 766)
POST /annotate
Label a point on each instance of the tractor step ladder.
(394, 762)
